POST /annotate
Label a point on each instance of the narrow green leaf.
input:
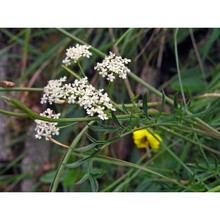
(93, 140)
(104, 128)
(215, 189)
(116, 120)
(125, 109)
(84, 178)
(94, 184)
(77, 163)
(86, 148)
(48, 177)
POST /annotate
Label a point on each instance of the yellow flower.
(143, 138)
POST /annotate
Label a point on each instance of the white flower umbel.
(44, 128)
(54, 92)
(92, 100)
(113, 65)
(75, 53)
(80, 92)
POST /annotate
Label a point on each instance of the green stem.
(66, 158)
(123, 36)
(19, 115)
(149, 104)
(81, 69)
(33, 115)
(70, 71)
(21, 89)
(178, 68)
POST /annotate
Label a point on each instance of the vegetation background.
(189, 155)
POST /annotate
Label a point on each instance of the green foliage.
(101, 154)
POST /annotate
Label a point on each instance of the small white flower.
(75, 53)
(90, 111)
(113, 65)
(103, 116)
(66, 61)
(111, 77)
(45, 128)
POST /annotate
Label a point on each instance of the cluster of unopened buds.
(81, 92)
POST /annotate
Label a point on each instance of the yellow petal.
(143, 138)
(154, 141)
(140, 139)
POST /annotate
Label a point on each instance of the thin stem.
(21, 89)
(129, 89)
(66, 157)
(81, 69)
(15, 114)
(123, 36)
(129, 105)
(178, 68)
(70, 71)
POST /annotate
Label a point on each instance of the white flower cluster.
(79, 92)
(74, 53)
(111, 65)
(45, 128)
(54, 91)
